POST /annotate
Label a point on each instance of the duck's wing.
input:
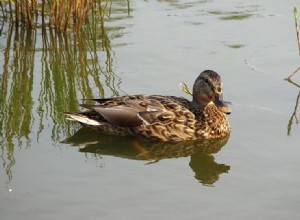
(120, 111)
(119, 115)
(132, 111)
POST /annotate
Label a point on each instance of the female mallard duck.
(163, 118)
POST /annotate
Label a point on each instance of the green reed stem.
(62, 15)
(295, 11)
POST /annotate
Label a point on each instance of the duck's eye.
(206, 81)
(218, 90)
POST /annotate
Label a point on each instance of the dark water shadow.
(207, 170)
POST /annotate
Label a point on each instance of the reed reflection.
(41, 67)
(16, 103)
(207, 170)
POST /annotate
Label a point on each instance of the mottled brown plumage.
(163, 118)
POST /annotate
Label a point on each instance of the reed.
(61, 15)
(295, 12)
(293, 116)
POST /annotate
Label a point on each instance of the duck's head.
(208, 88)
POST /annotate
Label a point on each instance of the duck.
(162, 118)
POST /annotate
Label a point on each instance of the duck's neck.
(215, 120)
(197, 106)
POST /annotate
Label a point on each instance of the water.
(52, 169)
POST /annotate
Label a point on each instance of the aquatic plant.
(295, 11)
(58, 14)
(293, 116)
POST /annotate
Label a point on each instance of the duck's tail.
(82, 118)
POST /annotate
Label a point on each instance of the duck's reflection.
(206, 169)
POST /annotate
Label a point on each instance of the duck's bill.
(222, 105)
